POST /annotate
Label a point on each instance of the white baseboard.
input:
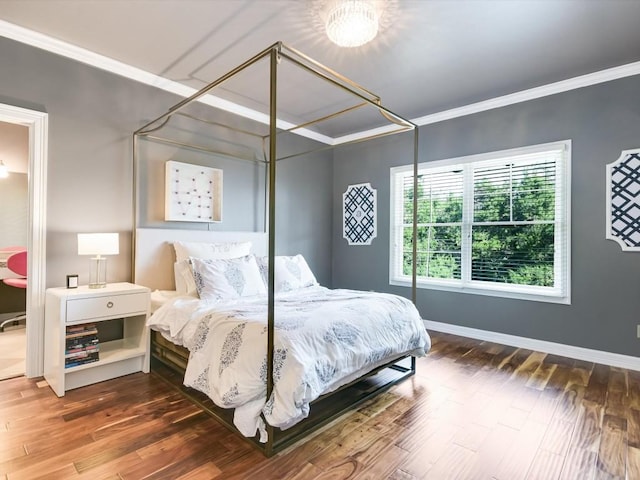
(578, 353)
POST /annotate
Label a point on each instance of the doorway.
(37, 124)
(14, 198)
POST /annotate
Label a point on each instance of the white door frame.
(38, 124)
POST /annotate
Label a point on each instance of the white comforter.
(324, 339)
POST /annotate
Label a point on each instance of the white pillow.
(292, 273)
(219, 280)
(211, 251)
(183, 276)
(182, 272)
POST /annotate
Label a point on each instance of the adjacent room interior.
(14, 217)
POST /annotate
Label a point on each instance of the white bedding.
(324, 339)
(160, 297)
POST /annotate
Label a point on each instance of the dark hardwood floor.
(475, 410)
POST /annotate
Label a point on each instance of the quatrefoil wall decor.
(623, 200)
(359, 222)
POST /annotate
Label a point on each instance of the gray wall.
(92, 115)
(303, 217)
(601, 121)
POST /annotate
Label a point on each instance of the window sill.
(491, 292)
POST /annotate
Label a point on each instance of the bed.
(270, 362)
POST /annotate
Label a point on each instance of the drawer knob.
(109, 304)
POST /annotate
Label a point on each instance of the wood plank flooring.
(475, 410)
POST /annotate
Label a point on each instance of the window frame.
(559, 293)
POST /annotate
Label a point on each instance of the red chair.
(17, 263)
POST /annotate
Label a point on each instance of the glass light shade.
(352, 23)
(98, 244)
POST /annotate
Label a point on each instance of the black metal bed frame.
(168, 362)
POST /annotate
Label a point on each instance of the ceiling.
(430, 55)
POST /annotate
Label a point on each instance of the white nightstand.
(66, 310)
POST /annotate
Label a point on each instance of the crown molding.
(587, 80)
(59, 47)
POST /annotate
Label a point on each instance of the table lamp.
(98, 244)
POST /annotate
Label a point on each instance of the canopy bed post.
(134, 151)
(273, 91)
(414, 220)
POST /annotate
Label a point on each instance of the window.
(494, 224)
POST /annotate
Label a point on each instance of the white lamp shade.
(98, 244)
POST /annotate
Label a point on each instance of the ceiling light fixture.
(4, 173)
(352, 23)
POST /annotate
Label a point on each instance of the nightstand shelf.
(73, 308)
(113, 351)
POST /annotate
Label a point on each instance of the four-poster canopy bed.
(345, 367)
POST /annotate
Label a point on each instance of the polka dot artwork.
(193, 193)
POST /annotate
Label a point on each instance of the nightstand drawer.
(83, 309)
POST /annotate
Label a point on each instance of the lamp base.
(98, 272)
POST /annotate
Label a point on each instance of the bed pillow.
(220, 280)
(183, 276)
(182, 271)
(211, 251)
(292, 272)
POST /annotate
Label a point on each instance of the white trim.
(352, 137)
(534, 294)
(570, 351)
(496, 157)
(38, 123)
(574, 83)
(45, 42)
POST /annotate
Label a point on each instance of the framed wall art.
(623, 200)
(193, 193)
(359, 222)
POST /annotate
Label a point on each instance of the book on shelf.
(81, 345)
(73, 362)
(78, 357)
(77, 331)
(80, 353)
(81, 327)
(81, 360)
